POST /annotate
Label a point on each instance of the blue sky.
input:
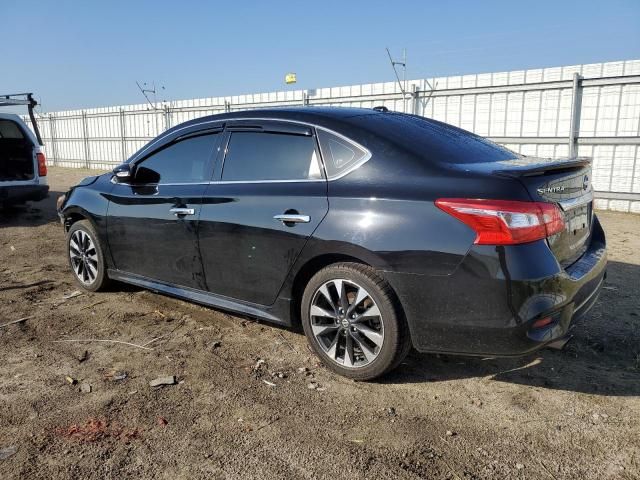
(76, 54)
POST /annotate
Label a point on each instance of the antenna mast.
(402, 84)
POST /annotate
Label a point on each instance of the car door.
(269, 195)
(152, 222)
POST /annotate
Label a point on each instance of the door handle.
(292, 218)
(177, 211)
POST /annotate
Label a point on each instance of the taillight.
(42, 164)
(505, 222)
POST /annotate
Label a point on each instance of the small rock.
(7, 452)
(451, 433)
(119, 376)
(160, 381)
(312, 386)
(83, 357)
(303, 370)
(70, 380)
(85, 388)
(519, 466)
(391, 412)
(216, 344)
(162, 421)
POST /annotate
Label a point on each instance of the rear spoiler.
(529, 167)
(13, 99)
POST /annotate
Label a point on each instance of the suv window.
(253, 156)
(339, 154)
(186, 161)
(9, 129)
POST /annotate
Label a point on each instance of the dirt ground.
(251, 401)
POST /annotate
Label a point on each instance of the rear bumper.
(489, 304)
(23, 193)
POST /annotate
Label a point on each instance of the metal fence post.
(54, 146)
(167, 117)
(576, 107)
(85, 133)
(415, 97)
(123, 135)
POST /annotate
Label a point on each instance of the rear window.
(435, 141)
(9, 129)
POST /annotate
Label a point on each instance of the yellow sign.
(290, 78)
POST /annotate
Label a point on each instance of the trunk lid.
(567, 183)
(564, 182)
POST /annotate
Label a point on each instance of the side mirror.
(123, 173)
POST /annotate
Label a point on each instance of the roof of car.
(303, 114)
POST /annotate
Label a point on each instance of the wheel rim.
(84, 257)
(347, 323)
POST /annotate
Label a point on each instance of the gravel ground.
(251, 401)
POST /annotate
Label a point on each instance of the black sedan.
(377, 231)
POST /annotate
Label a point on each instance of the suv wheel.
(351, 319)
(85, 256)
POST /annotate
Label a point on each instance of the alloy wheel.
(84, 257)
(347, 323)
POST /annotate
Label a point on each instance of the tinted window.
(187, 161)
(433, 140)
(9, 129)
(270, 156)
(339, 154)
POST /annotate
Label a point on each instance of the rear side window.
(9, 129)
(255, 156)
(339, 154)
(187, 161)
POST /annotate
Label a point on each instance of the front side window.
(255, 156)
(339, 154)
(186, 161)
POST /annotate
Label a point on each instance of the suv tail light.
(42, 165)
(505, 222)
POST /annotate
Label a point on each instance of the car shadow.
(30, 214)
(603, 356)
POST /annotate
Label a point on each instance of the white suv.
(23, 168)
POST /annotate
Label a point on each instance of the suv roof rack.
(13, 99)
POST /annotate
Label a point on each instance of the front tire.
(86, 257)
(353, 322)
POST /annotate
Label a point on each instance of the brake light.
(42, 165)
(505, 222)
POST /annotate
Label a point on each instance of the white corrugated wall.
(530, 111)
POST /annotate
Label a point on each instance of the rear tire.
(353, 322)
(86, 257)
